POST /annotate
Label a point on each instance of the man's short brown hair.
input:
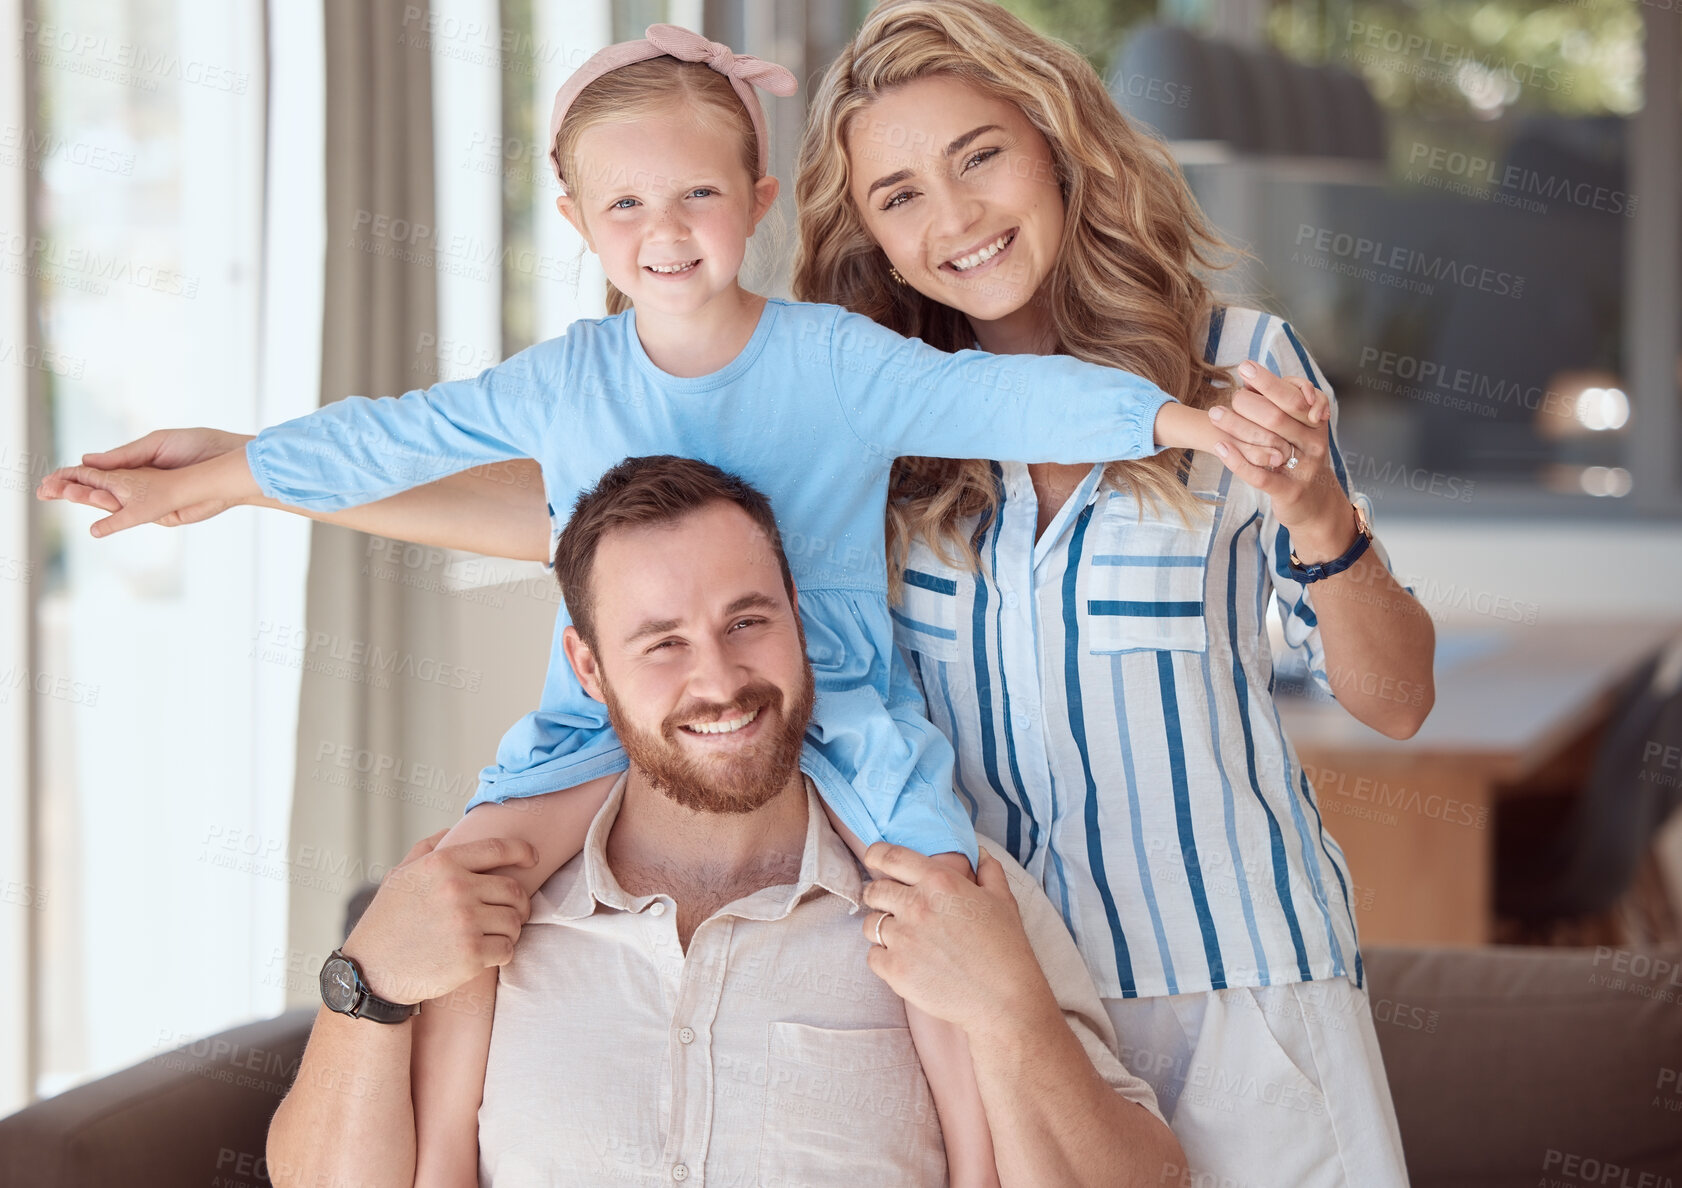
(658, 489)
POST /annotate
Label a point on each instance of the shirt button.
(657, 908)
(1023, 721)
(687, 1035)
(1010, 598)
(680, 1172)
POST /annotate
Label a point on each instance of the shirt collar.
(1019, 485)
(825, 863)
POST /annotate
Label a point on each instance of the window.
(160, 854)
(1443, 200)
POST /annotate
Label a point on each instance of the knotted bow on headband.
(743, 71)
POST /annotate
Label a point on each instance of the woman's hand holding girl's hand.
(1179, 426)
(1308, 500)
(164, 449)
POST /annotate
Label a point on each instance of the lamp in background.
(1580, 403)
(1578, 407)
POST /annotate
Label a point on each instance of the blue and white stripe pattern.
(1108, 689)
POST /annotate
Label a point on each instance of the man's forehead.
(704, 564)
(717, 530)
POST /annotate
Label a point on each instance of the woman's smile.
(979, 260)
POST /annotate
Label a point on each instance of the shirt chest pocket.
(926, 617)
(1146, 580)
(847, 1106)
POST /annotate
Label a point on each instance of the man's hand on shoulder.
(439, 918)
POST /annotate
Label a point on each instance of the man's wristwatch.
(343, 990)
(1325, 569)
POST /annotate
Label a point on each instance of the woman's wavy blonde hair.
(653, 87)
(1124, 289)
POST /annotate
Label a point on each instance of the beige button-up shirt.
(770, 1055)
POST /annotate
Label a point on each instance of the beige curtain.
(381, 678)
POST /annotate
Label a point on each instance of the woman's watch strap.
(1325, 569)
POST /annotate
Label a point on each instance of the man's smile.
(724, 726)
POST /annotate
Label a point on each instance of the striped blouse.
(1109, 691)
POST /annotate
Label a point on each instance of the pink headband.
(744, 73)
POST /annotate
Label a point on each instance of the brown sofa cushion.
(1529, 1067)
(196, 1116)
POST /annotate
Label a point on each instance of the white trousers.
(1271, 1087)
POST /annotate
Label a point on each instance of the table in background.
(1416, 818)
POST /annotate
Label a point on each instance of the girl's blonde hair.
(1124, 289)
(654, 87)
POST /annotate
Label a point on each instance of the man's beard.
(740, 784)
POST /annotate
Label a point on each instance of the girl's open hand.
(138, 496)
(162, 449)
(185, 496)
(1307, 499)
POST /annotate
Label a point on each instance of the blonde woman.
(1093, 638)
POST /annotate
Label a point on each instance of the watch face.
(338, 984)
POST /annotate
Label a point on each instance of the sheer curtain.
(140, 140)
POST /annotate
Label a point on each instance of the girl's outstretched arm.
(358, 450)
(452, 1040)
(496, 511)
(1031, 408)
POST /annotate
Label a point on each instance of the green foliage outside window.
(1479, 59)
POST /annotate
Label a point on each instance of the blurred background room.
(227, 212)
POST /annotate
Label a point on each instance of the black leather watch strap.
(345, 990)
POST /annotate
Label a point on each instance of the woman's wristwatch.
(1325, 569)
(344, 990)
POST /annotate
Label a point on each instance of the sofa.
(1509, 1067)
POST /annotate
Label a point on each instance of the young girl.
(660, 147)
(1101, 663)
